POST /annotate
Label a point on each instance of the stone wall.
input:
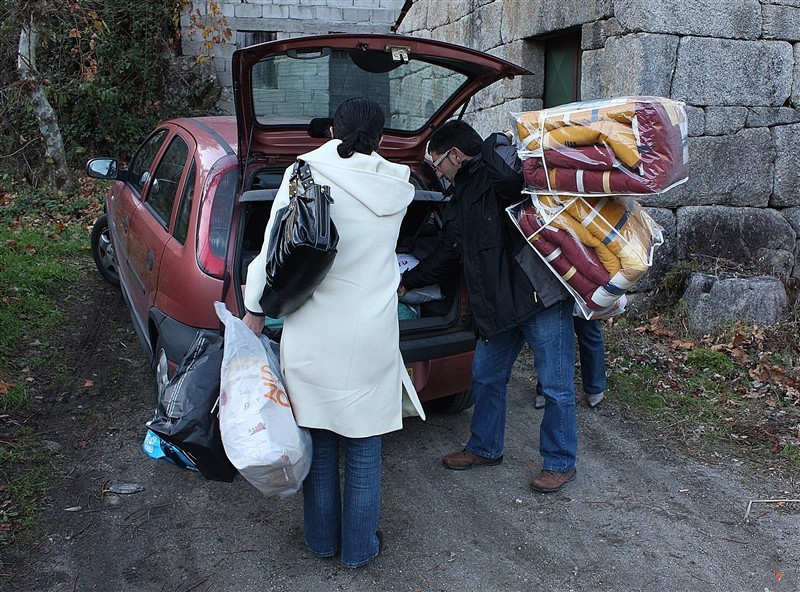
(286, 18)
(736, 65)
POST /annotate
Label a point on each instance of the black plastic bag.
(302, 245)
(186, 415)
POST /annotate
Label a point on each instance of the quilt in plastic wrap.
(597, 246)
(626, 145)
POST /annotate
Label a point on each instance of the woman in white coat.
(340, 352)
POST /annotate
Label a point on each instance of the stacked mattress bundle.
(583, 164)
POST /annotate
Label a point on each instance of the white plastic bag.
(430, 293)
(259, 432)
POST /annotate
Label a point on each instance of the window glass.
(293, 89)
(167, 178)
(185, 207)
(562, 69)
(142, 161)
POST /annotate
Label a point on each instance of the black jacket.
(507, 281)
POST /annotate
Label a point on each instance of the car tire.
(161, 367)
(103, 251)
(451, 404)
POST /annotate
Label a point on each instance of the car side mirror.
(105, 168)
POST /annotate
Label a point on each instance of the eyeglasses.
(439, 160)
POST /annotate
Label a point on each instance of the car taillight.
(214, 229)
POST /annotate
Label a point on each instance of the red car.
(187, 215)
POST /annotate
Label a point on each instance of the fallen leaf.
(5, 387)
(778, 576)
(88, 383)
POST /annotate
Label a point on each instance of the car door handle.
(150, 259)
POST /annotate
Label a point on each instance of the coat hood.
(380, 185)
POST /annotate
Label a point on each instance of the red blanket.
(597, 246)
(633, 145)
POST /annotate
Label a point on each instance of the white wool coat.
(340, 351)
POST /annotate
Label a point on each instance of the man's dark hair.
(458, 134)
(358, 123)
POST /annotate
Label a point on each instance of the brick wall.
(288, 18)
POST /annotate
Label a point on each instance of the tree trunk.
(58, 174)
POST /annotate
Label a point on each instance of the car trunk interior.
(419, 235)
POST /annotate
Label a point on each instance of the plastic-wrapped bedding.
(597, 247)
(627, 145)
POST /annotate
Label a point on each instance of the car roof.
(286, 91)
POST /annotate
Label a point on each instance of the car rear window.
(292, 89)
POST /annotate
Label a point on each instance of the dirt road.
(641, 515)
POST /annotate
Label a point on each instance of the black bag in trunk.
(302, 245)
(186, 417)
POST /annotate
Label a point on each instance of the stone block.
(328, 14)
(769, 116)
(595, 34)
(730, 72)
(756, 237)
(695, 121)
(488, 21)
(276, 11)
(787, 166)
(416, 18)
(665, 256)
(732, 170)
(737, 19)
(712, 303)
(796, 78)
(722, 121)
(247, 11)
(523, 18)
(356, 15)
(792, 216)
(438, 14)
(781, 22)
(630, 65)
(520, 87)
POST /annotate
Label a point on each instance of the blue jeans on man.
(550, 336)
(592, 350)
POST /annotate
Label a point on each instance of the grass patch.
(740, 387)
(35, 266)
(27, 470)
(44, 245)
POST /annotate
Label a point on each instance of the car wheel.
(161, 367)
(103, 251)
(452, 403)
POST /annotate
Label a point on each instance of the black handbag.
(302, 245)
(185, 416)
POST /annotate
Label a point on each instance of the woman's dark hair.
(358, 123)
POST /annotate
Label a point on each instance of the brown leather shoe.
(463, 460)
(550, 481)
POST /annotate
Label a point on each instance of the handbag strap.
(303, 173)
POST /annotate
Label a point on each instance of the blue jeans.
(330, 523)
(592, 349)
(549, 334)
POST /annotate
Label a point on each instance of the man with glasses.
(515, 299)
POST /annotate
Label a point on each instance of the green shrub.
(104, 65)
